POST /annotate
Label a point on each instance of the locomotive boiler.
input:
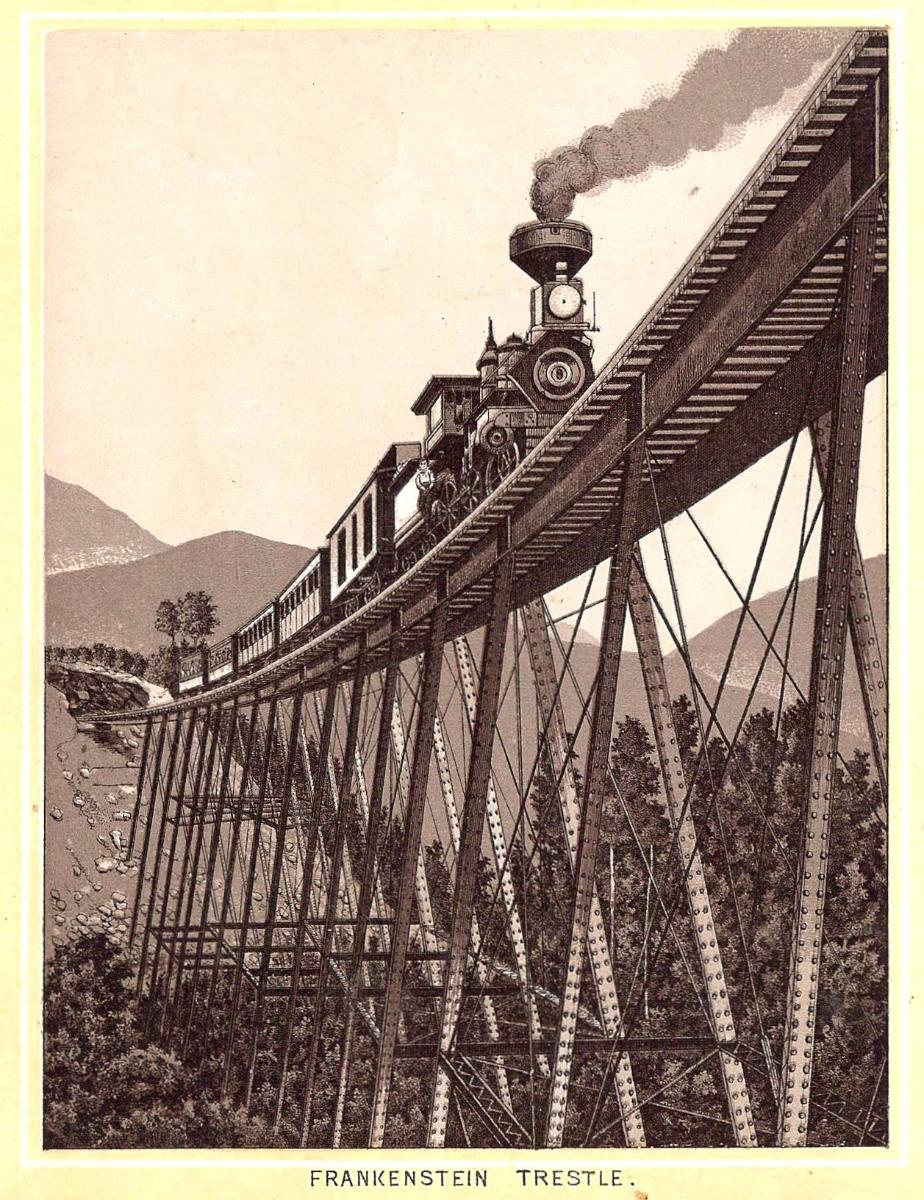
(480, 427)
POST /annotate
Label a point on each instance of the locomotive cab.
(447, 490)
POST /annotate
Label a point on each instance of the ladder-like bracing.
(458, 872)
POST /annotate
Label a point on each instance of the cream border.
(660, 1172)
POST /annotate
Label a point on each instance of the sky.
(260, 245)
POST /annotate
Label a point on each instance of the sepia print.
(458, 737)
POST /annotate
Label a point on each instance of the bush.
(104, 1086)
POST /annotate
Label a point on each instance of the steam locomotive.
(477, 429)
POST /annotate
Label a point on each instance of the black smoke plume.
(720, 90)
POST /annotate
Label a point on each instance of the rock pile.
(94, 689)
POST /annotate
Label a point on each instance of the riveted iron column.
(344, 813)
(863, 633)
(341, 935)
(243, 776)
(601, 733)
(553, 723)
(828, 654)
(425, 922)
(190, 879)
(167, 783)
(171, 859)
(468, 860)
(680, 817)
(214, 843)
(291, 751)
(269, 743)
(198, 808)
(498, 840)
(420, 771)
(148, 823)
(488, 1011)
(367, 887)
(139, 790)
(311, 847)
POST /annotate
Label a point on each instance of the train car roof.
(397, 454)
(302, 571)
(436, 384)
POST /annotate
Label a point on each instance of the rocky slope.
(90, 795)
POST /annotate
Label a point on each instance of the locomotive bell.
(547, 250)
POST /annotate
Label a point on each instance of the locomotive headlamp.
(559, 373)
(564, 301)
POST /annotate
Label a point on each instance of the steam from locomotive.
(720, 90)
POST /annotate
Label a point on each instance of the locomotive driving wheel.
(501, 464)
(444, 504)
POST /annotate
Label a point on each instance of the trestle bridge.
(380, 897)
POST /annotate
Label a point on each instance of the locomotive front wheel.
(471, 492)
(500, 465)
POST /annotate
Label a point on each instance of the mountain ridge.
(116, 603)
(82, 531)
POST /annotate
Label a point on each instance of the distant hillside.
(81, 531)
(709, 650)
(116, 604)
